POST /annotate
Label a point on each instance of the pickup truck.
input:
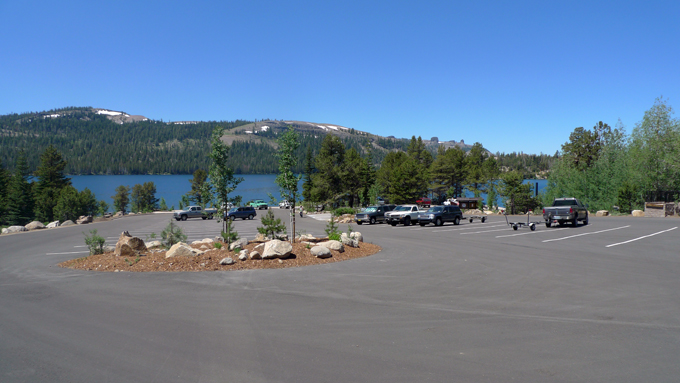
(402, 214)
(441, 214)
(193, 212)
(259, 204)
(565, 210)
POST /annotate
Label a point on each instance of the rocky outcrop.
(602, 213)
(333, 245)
(181, 249)
(638, 213)
(320, 252)
(277, 249)
(128, 245)
(345, 218)
(35, 225)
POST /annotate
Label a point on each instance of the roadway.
(477, 302)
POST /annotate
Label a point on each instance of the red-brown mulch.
(210, 260)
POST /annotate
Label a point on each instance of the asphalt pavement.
(477, 302)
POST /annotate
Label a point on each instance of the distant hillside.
(103, 141)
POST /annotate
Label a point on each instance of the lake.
(172, 187)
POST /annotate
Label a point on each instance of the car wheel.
(407, 221)
(359, 223)
(232, 218)
(250, 216)
(456, 221)
(177, 219)
(204, 218)
(184, 218)
(585, 221)
(548, 223)
(393, 223)
(422, 223)
(372, 220)
(210, 216)
(575, 222)
(438, 222)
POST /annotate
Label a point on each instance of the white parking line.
(578, 235)
(485, 231)
(68, 252)
(639, 238)
(464, 228)
(531, 232)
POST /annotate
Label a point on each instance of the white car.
(405, 214)
(284, 204)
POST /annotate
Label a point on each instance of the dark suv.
(241, 212)
(441, 214)
(373, 214)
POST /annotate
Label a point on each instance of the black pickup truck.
(565, 210)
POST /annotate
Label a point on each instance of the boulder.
(602, 213)
(131, 213)
(243, 255)
(181, 249)
(52, 225)
(306, 237)
(227, 261)
(154, 244)
(128, 245)
(205, 241)
(320, 252)
(347, 241)
(84, 219)
(255, 255)
(14, 229)
(68, 222)
(333, 245)
(356, 235)
(35, 225)
(241, 242)
(277, 249)
(118, 214)
(4, 231)
(638, 213)
(261, 238)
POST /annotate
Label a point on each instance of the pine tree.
(51, 180)
(287, 180)
(20, 199)
(122, 198)
(4, 188)
(308, 184)
(271, 225)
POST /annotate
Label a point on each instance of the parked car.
(258, 204)
(424, 201)
(242, 212)
(441, 214)
(565, 210)
(193, 212)
(284, 204)
(373, 214)
(402, 214)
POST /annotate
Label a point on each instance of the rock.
(204, 241)
(108, 248)
(243, 255)
(5, 231)
(68, 222)
(218, 239)
(241, 242)
(52, 225)
(356, 235)
(282, 237)
(118, 214)
(84, 219)
(181, 249)
(320, 252)
(15, 229)
(227, 261)
(204, 247)
(154, 244)
(602, 213)
(347, 241)
(259, 246)
(128, 245)
(131, 213)
(333, 245)
(35, 225)
(255, 255)
(306, 237)
(261, 238)
(277, 249)
(638, 213)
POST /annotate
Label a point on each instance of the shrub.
(332, 228)
(94, 242)
(230, 235)
(271, 225)
(217, 245)
(334, 237)
(344, 210)
(172, 234)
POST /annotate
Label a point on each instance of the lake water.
(172, 187)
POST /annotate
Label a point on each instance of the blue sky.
(515, 76)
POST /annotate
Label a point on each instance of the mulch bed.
(154, 260)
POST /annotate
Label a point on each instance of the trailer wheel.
(532, 227)
(548, 223)
(470, 220)
(483, 219)
(514, 227)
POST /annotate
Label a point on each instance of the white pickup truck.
(405, 214)
(193, 212)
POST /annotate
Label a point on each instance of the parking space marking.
(639, 238)
(69, 252)
(531, 232)
(485, 231)
(464, 228)
(579, 235)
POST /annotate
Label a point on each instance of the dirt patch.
(154, 260)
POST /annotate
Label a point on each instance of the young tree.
(221, 175)
(102, 208)
(122, 198)
(286, 179)
(308, 184)
(88, 203)
(19, 196)
(200, 189)
(517, 193)
(163, 205)
(271, 225)
(327, 180)
(50, 181)
(68, 205)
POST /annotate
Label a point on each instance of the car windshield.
(569, 202)
(369, 210)
(435, 209)
(402, 208)
(233, 209)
